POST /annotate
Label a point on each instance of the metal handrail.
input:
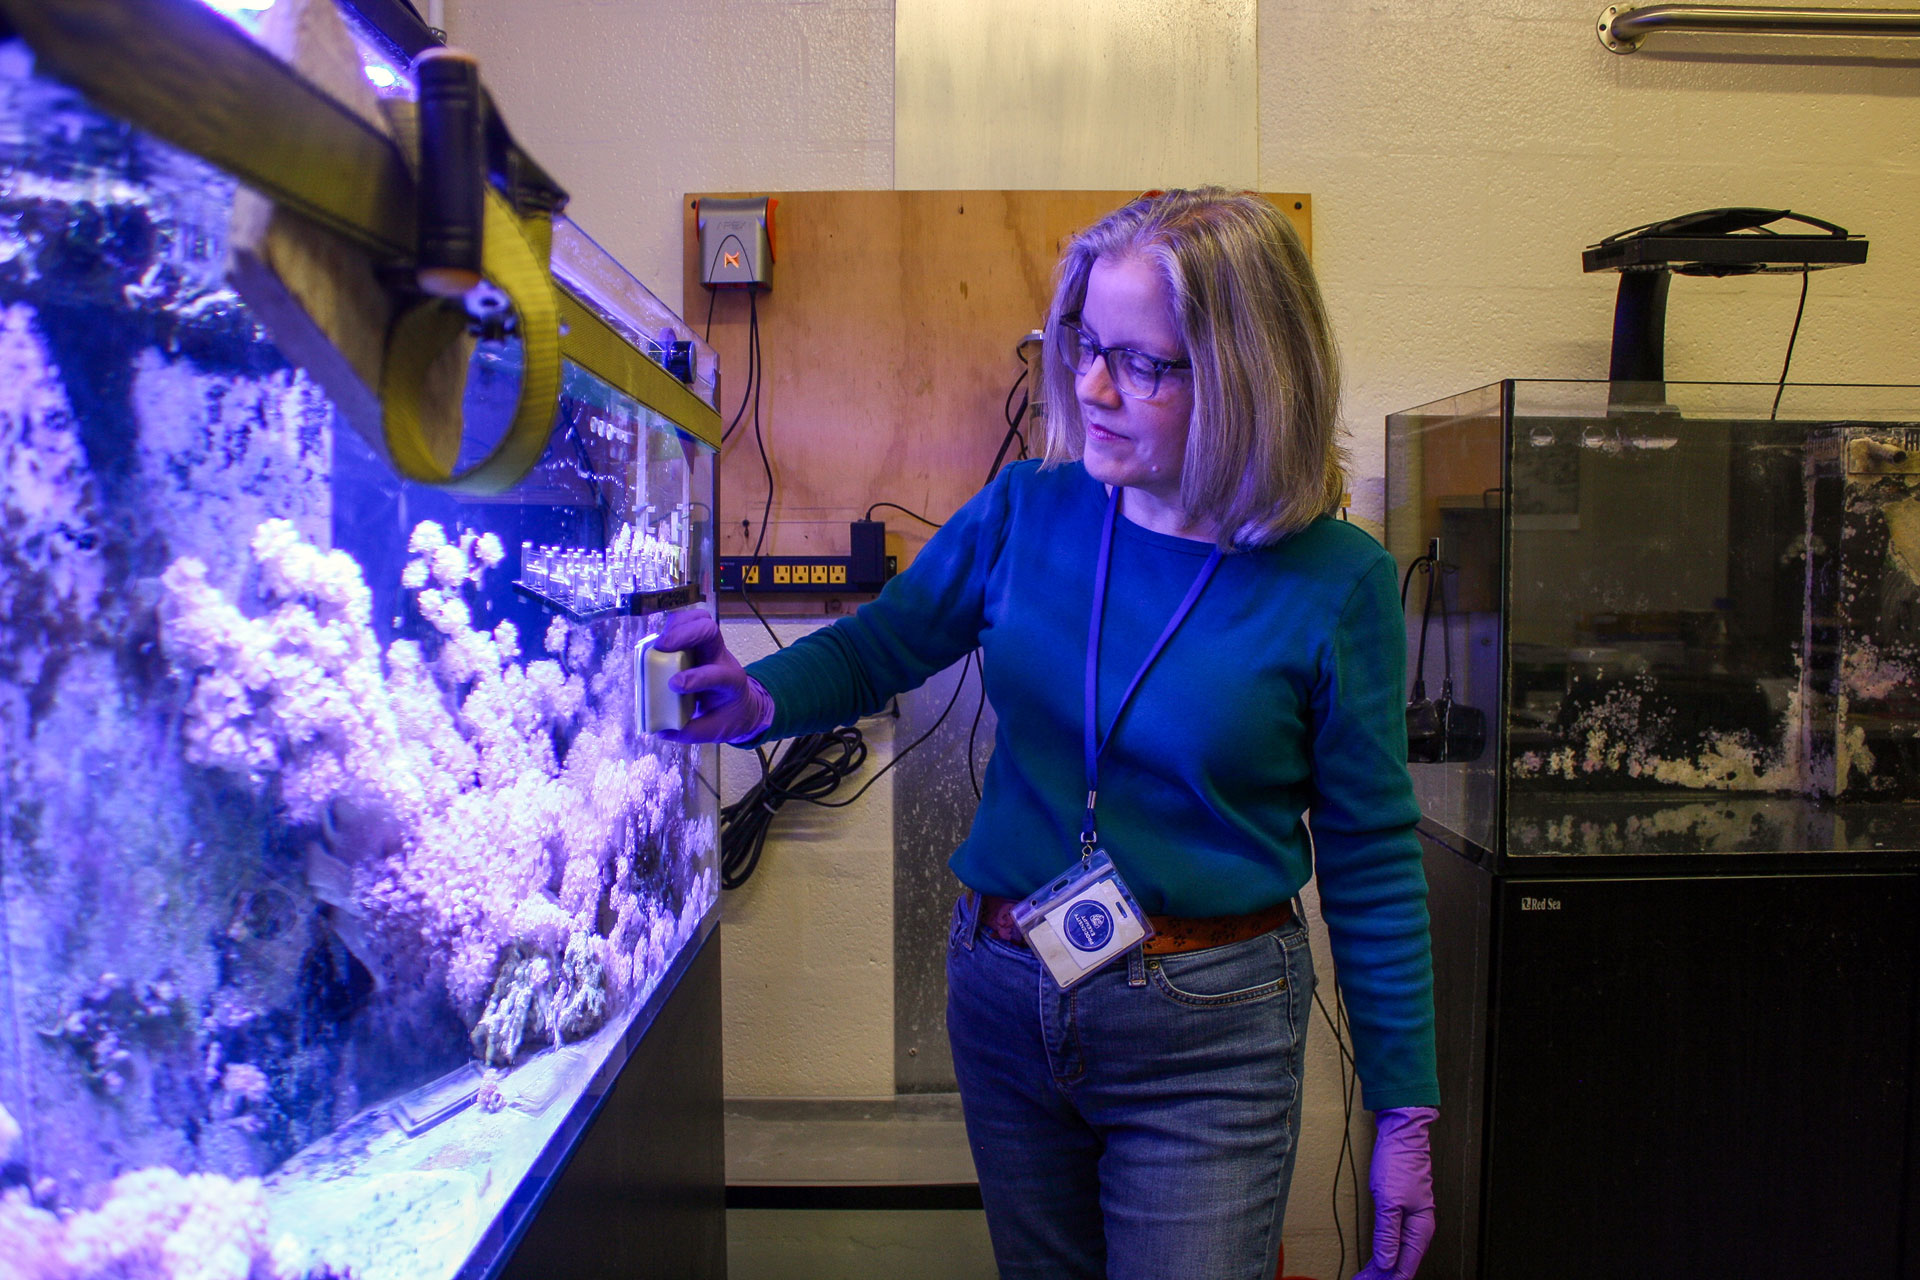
(1622, 28)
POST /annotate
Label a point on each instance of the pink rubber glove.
(728, 704)
(1401, 1176)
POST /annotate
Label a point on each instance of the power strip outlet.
(797, 575)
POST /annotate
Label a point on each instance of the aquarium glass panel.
(337, 879)
(1710, 611)
(1444, 485)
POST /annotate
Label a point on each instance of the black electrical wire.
(748, 601)
(1346, 1152)
(1013, 418)
(752, 391)
(810, 766)
(931, 524)
(1349, 1076)
(713, 291)
(898, 755)
(1426, 562)
(1407, 577)
(1353, 1152)
(753, 337)
(973, 775)
(746, 392)
(1426, 625)
(1349, 1154)
(1791, 339)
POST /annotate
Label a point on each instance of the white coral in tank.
(155, 1223)
(434, 763)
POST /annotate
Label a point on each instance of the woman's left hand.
(1401, 1177)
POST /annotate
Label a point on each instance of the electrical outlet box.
(782, 575)
(736, 242)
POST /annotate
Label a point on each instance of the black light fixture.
(1710, 242)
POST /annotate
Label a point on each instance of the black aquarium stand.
(1693, 1070)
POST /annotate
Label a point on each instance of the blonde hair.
(1263, 457)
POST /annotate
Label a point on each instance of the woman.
(1172, 568)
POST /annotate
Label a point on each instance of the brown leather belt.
(1171, 934)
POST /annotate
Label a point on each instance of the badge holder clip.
(1081, 920)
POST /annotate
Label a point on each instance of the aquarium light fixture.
(1709, 242)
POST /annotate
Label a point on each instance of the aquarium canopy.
(197, 77)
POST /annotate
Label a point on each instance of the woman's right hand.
(728, 704)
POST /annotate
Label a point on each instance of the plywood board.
(887, 348)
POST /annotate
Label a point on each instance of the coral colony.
(475, 854)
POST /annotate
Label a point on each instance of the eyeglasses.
(1135, 373)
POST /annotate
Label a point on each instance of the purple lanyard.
(1095, 744)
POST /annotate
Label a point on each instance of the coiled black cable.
(809, 768)
(812, 766)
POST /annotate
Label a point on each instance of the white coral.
(437, 763)
(427, 536)
(449, 565)
(155, 1224)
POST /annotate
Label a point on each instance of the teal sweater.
(1281, 694)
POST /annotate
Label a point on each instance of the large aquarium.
(1664, 618)
(335, 867)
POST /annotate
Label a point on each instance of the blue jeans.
(1142, 1125)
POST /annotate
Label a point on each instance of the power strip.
(865, 571)
(797, 574)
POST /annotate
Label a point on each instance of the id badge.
(1082, 920)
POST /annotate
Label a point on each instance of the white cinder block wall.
(1459, 154)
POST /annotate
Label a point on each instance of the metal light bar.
(1622, 28)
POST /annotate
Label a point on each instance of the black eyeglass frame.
(1090, 351)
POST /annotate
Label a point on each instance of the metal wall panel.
(1075, 93)
(933, 804)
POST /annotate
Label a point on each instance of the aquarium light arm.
(1622, 27)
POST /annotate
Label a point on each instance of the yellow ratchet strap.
(513, 264)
